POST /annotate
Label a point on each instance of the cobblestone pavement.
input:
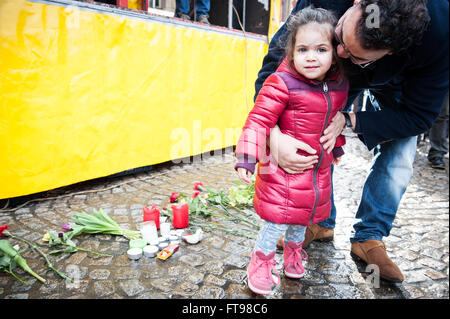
(216, 267)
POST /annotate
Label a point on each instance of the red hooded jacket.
(302, 108)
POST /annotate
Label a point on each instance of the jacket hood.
(285, 67)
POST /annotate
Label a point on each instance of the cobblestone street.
(215, 268)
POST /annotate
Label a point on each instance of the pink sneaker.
(293, 255)
(259, 272)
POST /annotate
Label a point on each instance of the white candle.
(149, 231)
(134, 253)
(165, 229)
(163, 244)
(150, 251)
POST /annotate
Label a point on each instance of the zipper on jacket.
(316, 169)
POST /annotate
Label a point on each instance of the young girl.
(301, 97)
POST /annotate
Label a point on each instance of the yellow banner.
(86, 94)
(275, 18)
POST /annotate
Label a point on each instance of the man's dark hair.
(401, 24)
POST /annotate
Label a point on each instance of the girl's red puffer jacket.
(302, 108)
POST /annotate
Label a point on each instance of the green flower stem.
(253, 231)
(242, 211)
(236, 216)
(49, 263)
(216, 225)
(90, 251)
(14, 275)
(228, 231)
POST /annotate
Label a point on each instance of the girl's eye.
(302, 50)
(322, 50)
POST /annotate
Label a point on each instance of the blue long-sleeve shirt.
(410, 87)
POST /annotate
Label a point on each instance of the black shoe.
(437, 163)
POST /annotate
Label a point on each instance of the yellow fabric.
(275, 18)
(86, 94)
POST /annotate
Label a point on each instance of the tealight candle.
(150, 251)
(137, 243)
(154, 242)
(163, 244)
(134, 253)
(161, 239)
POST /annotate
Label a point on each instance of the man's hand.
(284, 150)
(332, 131)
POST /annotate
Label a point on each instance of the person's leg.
(391, 172)
(293, 251)
(330, 223)
(354, 96)
(295, 233)
(261, 269)
(438, 137)
(268, 236)
(182, 7)
(202, 8)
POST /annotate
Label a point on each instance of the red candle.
(152, 214)
(180, 216)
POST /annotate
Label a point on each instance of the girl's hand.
(244, 175)
(332, 131)
(284, 150)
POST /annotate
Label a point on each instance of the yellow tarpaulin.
(86, 94)
(275, 18)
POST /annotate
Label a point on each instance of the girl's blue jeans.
(202, 7)
(269, 234)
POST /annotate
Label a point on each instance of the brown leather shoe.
(313, 233)
(318, 233)
(373, 252)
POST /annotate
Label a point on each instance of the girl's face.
(313, 51)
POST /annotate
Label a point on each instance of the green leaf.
(5, 261)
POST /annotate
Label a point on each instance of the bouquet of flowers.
(99, 222)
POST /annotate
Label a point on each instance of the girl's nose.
(311, 56)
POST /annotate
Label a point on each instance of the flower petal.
(196, 185)
(2, 229)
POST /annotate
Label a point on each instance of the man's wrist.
(348, 121)
(353, 120)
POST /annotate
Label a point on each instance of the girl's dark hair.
(303, 17)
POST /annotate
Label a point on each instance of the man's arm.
(423, 85)
(423, 92)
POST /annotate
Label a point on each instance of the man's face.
(349, 46)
